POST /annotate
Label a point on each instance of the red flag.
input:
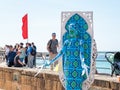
(25, 26)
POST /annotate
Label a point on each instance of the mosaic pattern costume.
(76, 59)
(76, 53)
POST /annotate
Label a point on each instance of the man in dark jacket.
(11, 56)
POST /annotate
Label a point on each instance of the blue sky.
(45, 17)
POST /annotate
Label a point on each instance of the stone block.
(104, 84)
(28, 80)
(2, 83)
(23, 79)
(1, 74)
(39, 88)
(40, 83)
(59, 86)
(16, 86)
(50, 85)
(115, 85)
(34, 88)
(8, 76)
(54, 86)
(34, 81)
(28, 73)
(8, 85)
(98, 88)
(26, 87)
(52, 77)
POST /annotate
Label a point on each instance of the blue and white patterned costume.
(76, 53)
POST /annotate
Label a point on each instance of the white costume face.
(72, 31)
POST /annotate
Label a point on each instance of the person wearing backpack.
(52, 46)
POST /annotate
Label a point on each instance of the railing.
(2, 56)
(102, 65)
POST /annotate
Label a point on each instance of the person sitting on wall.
(17, 61)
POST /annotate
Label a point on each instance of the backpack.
(33, 52)
(49, 46)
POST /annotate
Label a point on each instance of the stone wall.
(23, 79)
(105, 84)
(20, 79)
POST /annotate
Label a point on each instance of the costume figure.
(76, 53)
(78, 63)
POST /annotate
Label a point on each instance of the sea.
(102, 65)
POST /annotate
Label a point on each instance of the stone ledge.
(12, 78)
(107, 82)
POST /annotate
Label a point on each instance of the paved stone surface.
(107, 78)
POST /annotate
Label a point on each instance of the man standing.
(34, 54)
(52, 49)
(30, 56)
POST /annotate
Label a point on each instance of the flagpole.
(28, 28)
(27, 40)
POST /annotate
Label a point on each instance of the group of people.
(20, 56)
